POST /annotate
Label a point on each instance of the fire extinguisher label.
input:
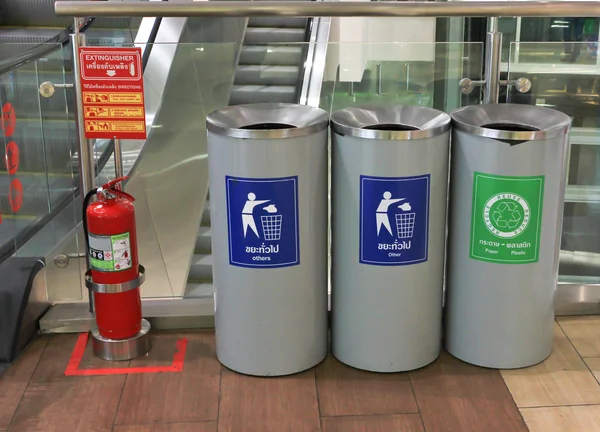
(110, 253)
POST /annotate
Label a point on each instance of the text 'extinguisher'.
(109, 225)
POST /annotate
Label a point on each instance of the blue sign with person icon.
(394, 220)
(263, 221)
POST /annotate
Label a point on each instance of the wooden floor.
(561, 394)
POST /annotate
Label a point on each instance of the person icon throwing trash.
(382, 217)
(248, 213)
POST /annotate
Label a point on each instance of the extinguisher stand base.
(122, 349)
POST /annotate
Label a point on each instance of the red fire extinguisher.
(109, 225)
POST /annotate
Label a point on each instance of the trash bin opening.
(510, 127)
(391, 127)
(268, 126)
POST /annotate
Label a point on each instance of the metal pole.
(118, 158)
(287, 8)
(379, 79)
(493, 51)
(86, 153)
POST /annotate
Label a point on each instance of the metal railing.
(492, 9)
(329, 9)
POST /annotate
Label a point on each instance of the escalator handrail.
(300, 81)
(9, 248)
(51, 45)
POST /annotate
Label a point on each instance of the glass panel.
(175, 153)
(169, 171)
(36, 176)
(509, 27)
(46, 140)
(570, 35)
(572, 87)
(424, 74)
(576, 42)
(112, 31)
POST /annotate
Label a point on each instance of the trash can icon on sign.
(403, 202)
(256, 209)
(271, 224)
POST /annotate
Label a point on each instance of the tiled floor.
(560, 395)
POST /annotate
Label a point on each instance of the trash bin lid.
(511, 122)
(390, 122)
(267, 121)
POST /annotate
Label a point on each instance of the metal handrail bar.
(329, 9)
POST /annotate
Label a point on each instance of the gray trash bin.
(389, 188)
(268, 198)
(506, 204)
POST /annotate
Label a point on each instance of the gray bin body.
(268, 196)
(387, 303)
(506, 204)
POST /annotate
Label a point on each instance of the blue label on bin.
(263, 221)
(394, 220)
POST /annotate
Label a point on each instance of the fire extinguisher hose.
(86, 202)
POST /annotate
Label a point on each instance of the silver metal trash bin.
(506, 205)
(389, 197)
(268, 198)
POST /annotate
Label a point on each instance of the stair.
(270, 61)
(200, 277)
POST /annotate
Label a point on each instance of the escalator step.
(203, 240)
(280, 22)
(201, 267)
(243, 94)
(271, 55)
(205, 218)
(256, 35)
(267, 75)
(199, 290)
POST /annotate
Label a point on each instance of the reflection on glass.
(566, 77)
(576, 40)
(23, 174)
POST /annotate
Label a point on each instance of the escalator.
(271, 61)
(269, 67)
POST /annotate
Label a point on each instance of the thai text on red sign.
(112, 87)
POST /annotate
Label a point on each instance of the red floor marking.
(73, 366)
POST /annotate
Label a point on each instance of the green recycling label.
(506, 218)
(110, 253)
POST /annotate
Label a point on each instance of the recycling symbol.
(506, 215)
